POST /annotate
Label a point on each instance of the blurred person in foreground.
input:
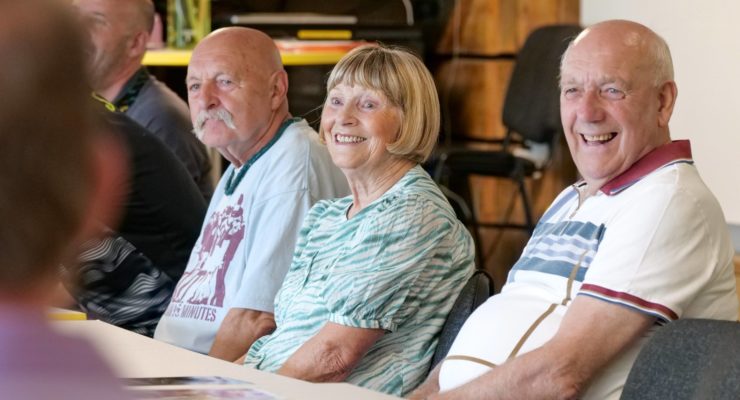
(120, 30)
(59, 178)
(638, 243)
(237, 90)
(374, 274)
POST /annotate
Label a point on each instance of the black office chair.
(688, 359)
(466, 216)
(531, 114)
(475, 292)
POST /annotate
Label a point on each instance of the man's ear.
(667, 94)
(137, 46)
(279, 88)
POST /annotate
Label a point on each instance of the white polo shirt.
(654, 239)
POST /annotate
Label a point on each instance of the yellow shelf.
(167, 57)
(181, 58)
(312, 58)
(60, 314)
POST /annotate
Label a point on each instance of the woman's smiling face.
(358, 125)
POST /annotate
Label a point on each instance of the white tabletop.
(132, 356)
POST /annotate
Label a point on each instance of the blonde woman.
(374, 274)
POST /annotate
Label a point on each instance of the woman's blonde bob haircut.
(406, 83)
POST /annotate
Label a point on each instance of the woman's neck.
(367, 189)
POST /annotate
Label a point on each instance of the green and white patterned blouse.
(397, 265)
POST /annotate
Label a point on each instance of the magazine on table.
(194, 387)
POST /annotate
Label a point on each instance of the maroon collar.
(667, 154)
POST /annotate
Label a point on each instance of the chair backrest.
(532, 103)
(688, 359)
(475, 292)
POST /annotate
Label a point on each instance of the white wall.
(704, 37)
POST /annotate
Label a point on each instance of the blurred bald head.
(119, 32)
(46, 130)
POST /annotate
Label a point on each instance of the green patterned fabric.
(397, 265)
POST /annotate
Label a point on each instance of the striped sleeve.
(656, 255)
(662, 313)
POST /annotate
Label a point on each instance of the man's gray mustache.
(216, 115)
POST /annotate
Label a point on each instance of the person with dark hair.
(59, 178)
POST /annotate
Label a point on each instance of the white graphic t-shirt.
(247, 241)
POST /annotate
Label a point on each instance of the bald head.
(145, 10)
(141, 13)
(119, 32)
(634, 41)
(135, 15)
(255, 50)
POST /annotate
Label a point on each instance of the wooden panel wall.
(486, 33)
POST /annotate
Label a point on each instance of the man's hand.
(592, 334)
(239, 329)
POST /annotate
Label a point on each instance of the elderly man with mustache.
(237, 94)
